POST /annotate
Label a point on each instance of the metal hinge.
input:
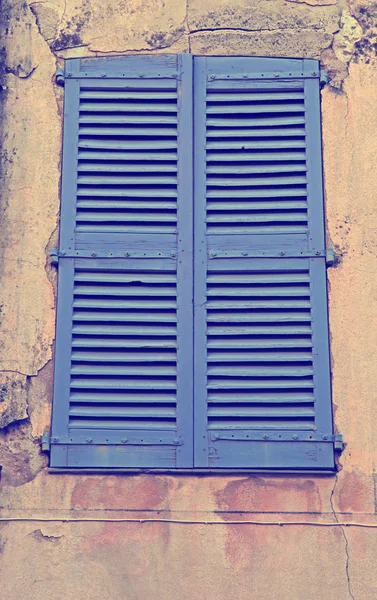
(324, 77)
(54, 257)
(46, 442)
(338, 442)
(330, 257)
(59, 77)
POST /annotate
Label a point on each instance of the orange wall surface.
(310, 554)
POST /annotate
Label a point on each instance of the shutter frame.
(267, 448)
(122, 447)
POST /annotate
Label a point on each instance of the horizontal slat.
(119, 180)
(253, 108)
(278, 423)
(127, 144)
(245, 206)
(235, 371)
(116, 317)
(130, 227)
(127, 193)
(257, 169)
(258, 291)
(119, 94)
(259, 330)
(272, 412)
(256, 398)
(136, 290)
(128, 167)
(257, 357)
(258, 229)
(235, 384)
(123, 131)
(253, 181)
(262, 316)
(122, 424)
(254, 343)
(151, 156)
(130, 356)
(126, 204)
(234, 304)
(247, 132)
(131, 107)
(121, 384)
(124, 330)
(124, 370)
(121, 398)
(254, 156)
(258, 277)
(257, 145)
(262, 193)
(124, 304)
(114, 276)
(101, 217)
(254, 96)
(118, 342)
(272, 217)
(141, 412)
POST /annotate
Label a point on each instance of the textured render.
(153, 561)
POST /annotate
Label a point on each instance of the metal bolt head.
(294, 437)
(55, 440)
(88, 440)
(318, 252)
(281, 253)
(176, 441)
(124, 440)
(325, 437)
(94, 254)
(126, 254)
(265, 437)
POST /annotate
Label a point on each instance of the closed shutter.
(262, 377)
(123, 375)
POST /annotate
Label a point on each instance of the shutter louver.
(125, 276)
(263, 395)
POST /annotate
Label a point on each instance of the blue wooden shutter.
(123, 376)
(262, 376)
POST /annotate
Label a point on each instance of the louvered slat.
(121, 370)
(113, 120)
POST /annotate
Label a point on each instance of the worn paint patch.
(355, 493)
(121, 493)
(267, 494)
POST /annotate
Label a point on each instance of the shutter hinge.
(46, 442)
(338, 442)
(330, 257)
(324, 78)
(54, 257)
(59, 77)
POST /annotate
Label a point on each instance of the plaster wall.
(102, 560)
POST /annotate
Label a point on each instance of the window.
(192, 316)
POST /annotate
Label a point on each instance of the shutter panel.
(123, 377)
(262, 377)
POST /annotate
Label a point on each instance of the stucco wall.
(160, 561)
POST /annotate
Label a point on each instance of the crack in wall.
(346, 542)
